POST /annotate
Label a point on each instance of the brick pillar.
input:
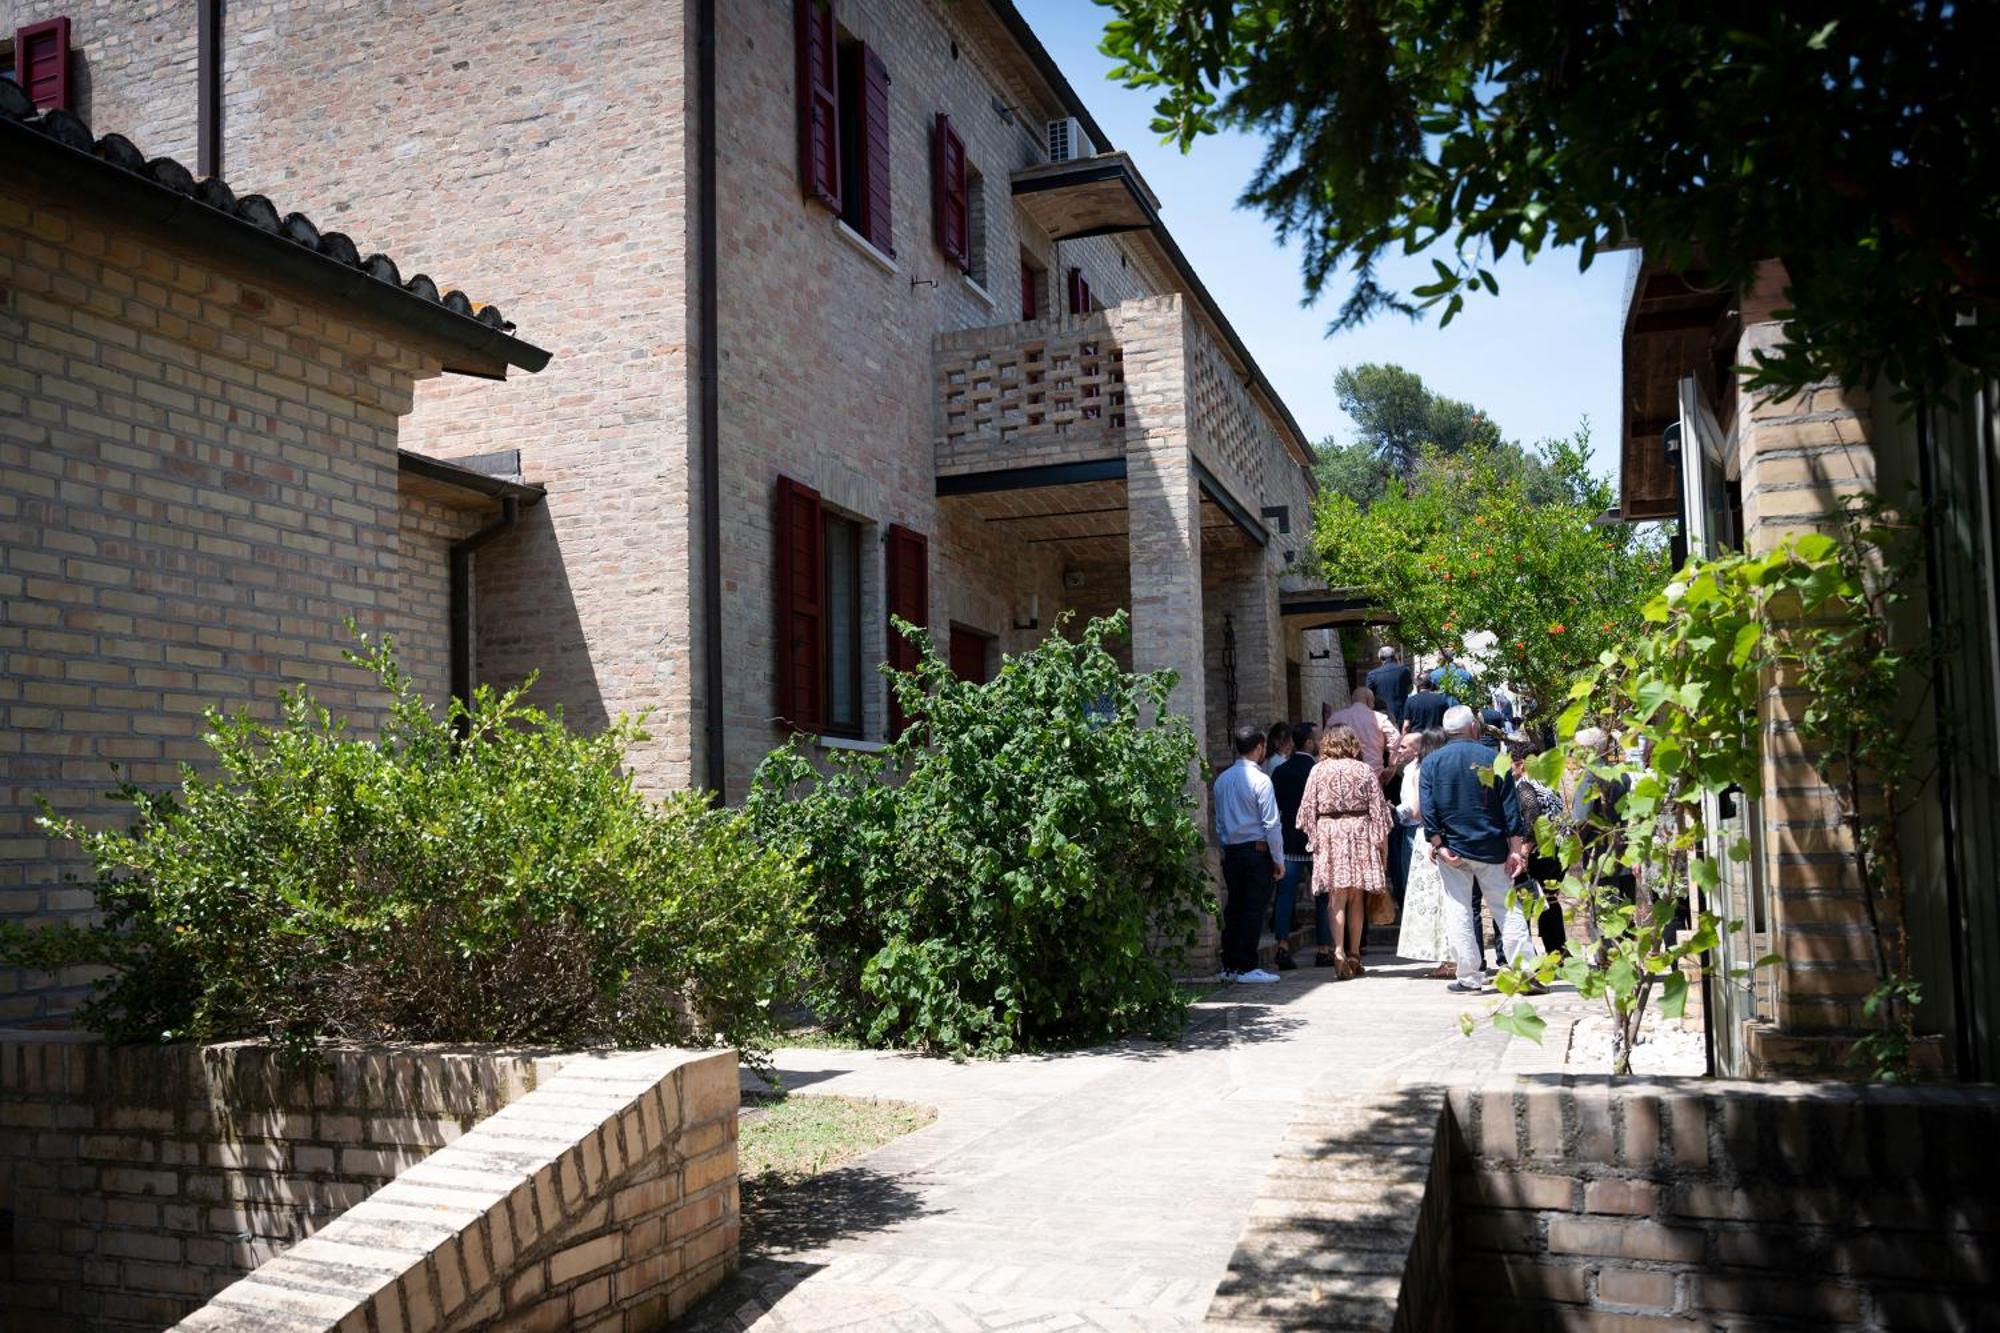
(1163, 508)
(1801, 458)
(1323, 679)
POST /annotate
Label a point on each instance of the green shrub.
(513, 886)
(1018, 870)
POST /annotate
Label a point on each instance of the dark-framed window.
(842, 599)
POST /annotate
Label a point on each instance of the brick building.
(1742, 470)
(199, 473)
(855, 312)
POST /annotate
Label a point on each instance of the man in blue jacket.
(1474, 824)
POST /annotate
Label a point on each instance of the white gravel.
(1671, 1048)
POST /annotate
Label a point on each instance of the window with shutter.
(949, 200)
(41, 63)
(1031, 290)
(1079, 293)
(874, 138)
(819, 104)
(909, 580)
(801, 629)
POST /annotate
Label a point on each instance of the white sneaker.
(1258, 977)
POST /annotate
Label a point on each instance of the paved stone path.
(1101, 1190)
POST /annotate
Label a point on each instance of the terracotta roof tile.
(254, 209)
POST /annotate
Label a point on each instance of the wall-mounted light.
(922, 282)
(1282, 513)
(1034, 620)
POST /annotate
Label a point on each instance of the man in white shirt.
(1253, 855)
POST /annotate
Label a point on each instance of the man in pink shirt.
(1360, 714)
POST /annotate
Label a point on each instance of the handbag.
(1381, 910)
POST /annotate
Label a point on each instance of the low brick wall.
(1677, 1204)
(606, 1200)
(136, 1182)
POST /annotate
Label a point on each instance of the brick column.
(1801, 458)
(1162, 502)
(1163, 507)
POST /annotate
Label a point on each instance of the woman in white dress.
(1422, 935)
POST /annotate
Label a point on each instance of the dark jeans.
(1547, 872)
(1285, 905)
(1399, 862)
(1323, 922)
(1246, 876)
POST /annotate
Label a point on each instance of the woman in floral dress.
(1422, 935)
(1346, 821)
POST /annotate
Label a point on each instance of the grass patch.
(793, 1139)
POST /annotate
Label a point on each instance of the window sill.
(978, 291)
(850, 743)
(865, 246)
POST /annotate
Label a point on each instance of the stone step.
(1339, 1261)
(1302, 1310)
(1375, 1195)
(1331, 1152)
(1307, 1234)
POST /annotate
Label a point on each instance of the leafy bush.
(1017, 870)
(511, 886)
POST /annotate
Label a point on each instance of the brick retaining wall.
(1679, 1204)
(143, 1180)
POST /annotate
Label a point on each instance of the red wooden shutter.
(909, 562)
(1079, 293)
(951, 206)
(819, 104)
(41, 63)
(801, 564)
(968, 655)
(874, 141)
(1028, 292)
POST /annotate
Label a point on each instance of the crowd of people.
(1394, 809)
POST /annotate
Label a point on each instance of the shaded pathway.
(1100, 1190)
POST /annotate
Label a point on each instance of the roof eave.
(468, 346)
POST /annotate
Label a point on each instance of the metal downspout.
(461, 597)
(710, 373)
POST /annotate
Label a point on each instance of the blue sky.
(1537, 357)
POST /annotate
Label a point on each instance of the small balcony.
(1069, 401)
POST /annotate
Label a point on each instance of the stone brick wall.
(1682, 1204)
(197, 483)
(420, 618)
(535, 155)
(1799, 460)
(606, 1199)
(142, 1181)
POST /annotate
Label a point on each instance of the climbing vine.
(1680, 704)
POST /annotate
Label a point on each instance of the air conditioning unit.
(1067, 141)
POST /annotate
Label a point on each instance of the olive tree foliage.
(1398, 418)
(1019, 869)
(1851, 139)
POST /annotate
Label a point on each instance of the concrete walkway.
(1100, 1190)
